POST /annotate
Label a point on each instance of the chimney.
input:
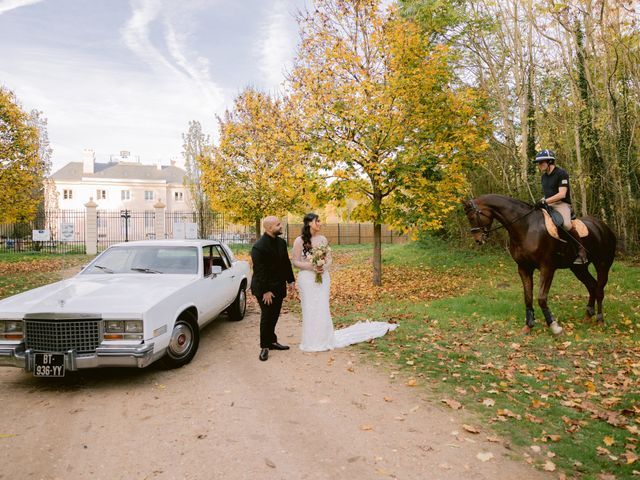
(88, 160)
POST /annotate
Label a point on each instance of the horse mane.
(494, 199)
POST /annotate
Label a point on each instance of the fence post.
(159, 221)
(91, 222)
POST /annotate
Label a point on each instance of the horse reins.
(486, 231)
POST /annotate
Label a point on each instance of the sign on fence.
(41, 235)
(185, 230)
(67, 232)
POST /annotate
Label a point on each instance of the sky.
(114, 75)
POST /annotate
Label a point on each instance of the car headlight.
(11, 330)
(133, 326)
(114, 326)
(123, 330)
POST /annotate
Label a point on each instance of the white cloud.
(276, 44)
(6, 5)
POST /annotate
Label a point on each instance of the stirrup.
(580, 260)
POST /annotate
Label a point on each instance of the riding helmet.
(545, 156)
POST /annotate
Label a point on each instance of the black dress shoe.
(264, 354)
(278, 346)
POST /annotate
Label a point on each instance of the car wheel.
(183, 344)
(239, 305)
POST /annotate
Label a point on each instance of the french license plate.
(49, 365)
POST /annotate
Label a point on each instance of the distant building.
(118, 185)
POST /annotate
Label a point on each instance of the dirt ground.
(331, 415)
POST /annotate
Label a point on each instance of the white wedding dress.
(317, 327)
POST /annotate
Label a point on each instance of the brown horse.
(533, 248)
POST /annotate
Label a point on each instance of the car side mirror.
(216, 270)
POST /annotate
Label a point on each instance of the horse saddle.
(552, 224)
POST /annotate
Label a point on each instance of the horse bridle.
(484, 229)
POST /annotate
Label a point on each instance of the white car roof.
(168, 243)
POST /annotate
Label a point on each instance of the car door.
(226, 282)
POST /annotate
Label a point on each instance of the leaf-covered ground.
(570, 403)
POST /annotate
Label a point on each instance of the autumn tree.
(24, 159)
(259, 167)
(195, 146)
(384, 116)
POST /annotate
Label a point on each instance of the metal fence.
(348, 233)
(66, 229)
(210, 225)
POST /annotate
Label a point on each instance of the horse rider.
(557, 195)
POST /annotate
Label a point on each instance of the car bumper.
(121, 356)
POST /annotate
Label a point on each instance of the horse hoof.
(555, 328)
(526, 330)
(587, 318)
(600, 318)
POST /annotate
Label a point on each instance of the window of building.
(125, 195)
(67, 194)
(148, 195)
(177, 196)
(101, 194)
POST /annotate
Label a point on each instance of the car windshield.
(146, 259)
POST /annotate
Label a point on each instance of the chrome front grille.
(43, 335)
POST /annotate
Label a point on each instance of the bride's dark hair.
(306, 232)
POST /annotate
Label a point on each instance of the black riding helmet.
(545, 156)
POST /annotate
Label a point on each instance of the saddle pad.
(552, 230)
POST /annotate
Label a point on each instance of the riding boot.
(582, 254)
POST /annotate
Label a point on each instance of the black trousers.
(268, 318)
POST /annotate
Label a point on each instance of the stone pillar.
(159, 223)
(91, 227)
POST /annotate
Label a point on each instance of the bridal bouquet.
(319, 258)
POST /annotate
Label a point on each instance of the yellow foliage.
(22, 167)
(383, 115)
(260, 166)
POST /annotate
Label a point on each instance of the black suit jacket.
(271, 267)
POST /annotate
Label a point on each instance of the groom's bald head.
(272, 226)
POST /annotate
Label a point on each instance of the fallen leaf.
(630, 457)
(366, 428)
(412, 382)
(488, 402)
(493, 439)
(452, 403)
(536, 448)
(269, 463)
(470, 428)
(388, 399)
(549, 466)
(608, 441)
(484, 456)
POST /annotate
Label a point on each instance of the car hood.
(101, 294)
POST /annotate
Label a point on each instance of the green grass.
(24, 271)
(566, 391)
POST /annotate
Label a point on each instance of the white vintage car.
(135, 303)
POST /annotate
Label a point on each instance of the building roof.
(73, 172)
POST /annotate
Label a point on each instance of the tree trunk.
(377, 254)
(257, 228)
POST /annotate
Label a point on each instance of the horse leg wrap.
(591, 311)
(530, 316)
(548, 317)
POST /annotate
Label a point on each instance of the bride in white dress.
(317, 327)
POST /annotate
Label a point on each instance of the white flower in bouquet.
(319, 259)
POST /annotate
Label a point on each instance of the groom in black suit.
(271, 273)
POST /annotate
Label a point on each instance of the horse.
(533, 248)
